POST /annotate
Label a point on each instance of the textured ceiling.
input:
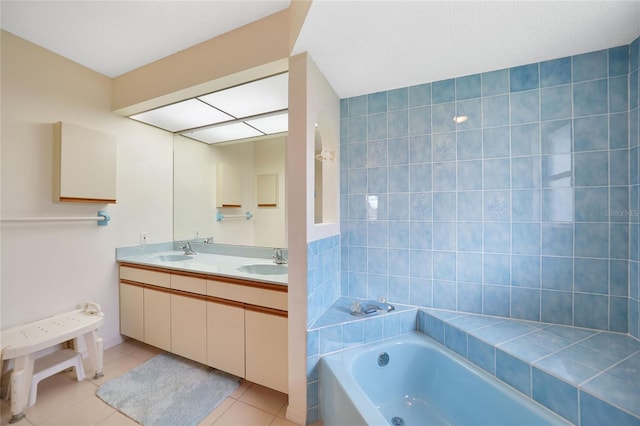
(360, 46)
(117, 36)
(364, 47)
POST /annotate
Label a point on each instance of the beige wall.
(309, 94)
(50, 267)
(195, 165)
(269, 222)
(247, 53)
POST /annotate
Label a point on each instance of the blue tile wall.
(323, 276)
(634, 180)
(528, 209)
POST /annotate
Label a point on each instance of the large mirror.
(232, 192)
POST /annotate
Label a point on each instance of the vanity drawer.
(248, 294)
(190, 284)
(145, 276)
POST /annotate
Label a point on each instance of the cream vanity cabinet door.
(157, 319)
(132, 311)
(266, 356)
(189, 327)
(225, 337)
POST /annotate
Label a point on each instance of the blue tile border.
(492, 344)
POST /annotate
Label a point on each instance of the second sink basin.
(264, 269)
(172, 257)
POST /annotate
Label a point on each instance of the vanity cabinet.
(225, 338)
(189, 328)
(132, 311)
(266, 338)
(157, 321)
(234, 325)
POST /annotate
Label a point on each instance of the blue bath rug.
(168, 390)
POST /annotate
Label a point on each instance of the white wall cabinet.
(232, 325)
(85, 165)
(228, 186)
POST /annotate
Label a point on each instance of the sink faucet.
(187, 249)
(278, 258)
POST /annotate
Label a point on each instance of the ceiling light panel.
(271, 124)
(223, 133)
(257, 97)
(182, 115)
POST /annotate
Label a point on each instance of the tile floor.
(62, 401)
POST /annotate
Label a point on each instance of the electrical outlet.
(143, 238)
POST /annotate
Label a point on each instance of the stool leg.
(95, 349)
(20, 385)
(79, 368)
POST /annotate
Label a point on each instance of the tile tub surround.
(527, 210)
(634, 196)
(589, 377)
(337, 329)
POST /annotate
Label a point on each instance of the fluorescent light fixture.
(267, 94)
(182, 115)
(223, 133)
(271, 124)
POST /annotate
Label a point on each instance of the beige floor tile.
(145, 353)
(241, 414)
(5, 415)
(52, 399)
(116, 368)
(63, 401)
(89, 411)
(117, 419)
(283, 412)
(240, 390)
(264, 398)
(217, 412)
(278, 421)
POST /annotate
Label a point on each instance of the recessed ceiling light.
(182, 115)
(223, 133)
(257, 97)
(460, 119)
(271, 124)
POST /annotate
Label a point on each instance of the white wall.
(50, 267)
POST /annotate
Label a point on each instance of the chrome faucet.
(187, 249)
(278, 258)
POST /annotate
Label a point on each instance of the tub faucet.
(278, 258)
(187, 249)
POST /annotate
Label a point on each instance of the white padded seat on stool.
(51, 364)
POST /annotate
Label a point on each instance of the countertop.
(211, 264)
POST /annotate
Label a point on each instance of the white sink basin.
(264, 269)
(172, 257)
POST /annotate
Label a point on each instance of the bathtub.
(422, 383)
